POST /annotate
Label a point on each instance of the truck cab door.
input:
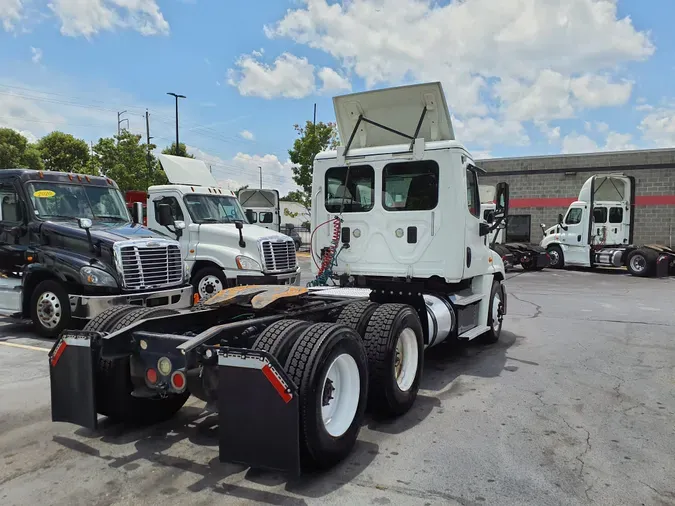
(476, 248)
(178, 215)
(13, 230)
(573, 236)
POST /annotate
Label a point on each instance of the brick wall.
(562, 176)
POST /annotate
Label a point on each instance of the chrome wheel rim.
(638, 263)
(49, 310)
(209, 286)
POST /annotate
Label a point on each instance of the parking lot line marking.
(24, 346)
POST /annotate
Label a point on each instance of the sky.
(521, 77)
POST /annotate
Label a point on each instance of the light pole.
(177, 97)
(260, 176)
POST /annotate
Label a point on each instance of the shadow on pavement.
(151, 444)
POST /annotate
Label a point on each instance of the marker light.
(164, 366)
(178, 380)
(151, 376)
(399, 232)
(357, 233)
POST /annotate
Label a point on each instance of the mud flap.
(71, 374)
(258, 412)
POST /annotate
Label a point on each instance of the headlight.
(247, 264)
(96, 277)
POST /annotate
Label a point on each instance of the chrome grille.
(150, 264)
(278, 255)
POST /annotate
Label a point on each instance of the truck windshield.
(214, 209)
(64, 200)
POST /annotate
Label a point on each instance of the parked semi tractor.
(220, 247)
(531, 257)
(292, 370)
(597, 231)
(261, 207)
(69, 250)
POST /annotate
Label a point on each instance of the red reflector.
(151, 376)
(278, 386)
(178, 380)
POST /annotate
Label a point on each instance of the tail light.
(178, 381)
(151, 376)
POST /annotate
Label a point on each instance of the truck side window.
(176, 211)
(573, 216)
(251, 216)
(600, 215)
(472, 195)
(266, 217)
(10, 206)
(410, 186)
(353, 194)
(616, 214)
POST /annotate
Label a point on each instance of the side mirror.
(84, 223)
(179, 225)
(483, 229)
(137, 212)
(490, 217)
(502, 199)
(165, 217)
(239, 224)
(250, 216)
(560, 219)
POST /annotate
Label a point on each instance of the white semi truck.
(291, 371)
(220, 247)
(597, 231)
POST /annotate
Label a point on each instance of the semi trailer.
(291, 371)
(597, 231)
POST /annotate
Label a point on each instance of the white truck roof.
(399, 108)
(186, 171)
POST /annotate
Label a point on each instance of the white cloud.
(289, 76)
(88, 17)
(244, 169)
(10, 13)
(247, 135)
(522, 43)
(486, 131)
(658, 127)
(37, 54)
(614, 141)
(332, 81)
(601, 126)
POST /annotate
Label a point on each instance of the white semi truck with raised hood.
(597, 231)
(219, 246)
(403, 264)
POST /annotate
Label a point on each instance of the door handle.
(579, 238)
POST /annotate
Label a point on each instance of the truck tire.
(102, 322)
(50, 308)
(279, 338)
(114, 386)
(495, 314)
(208, 281)
(328, 364)
(394, 343)
(357, 315)
(641, 262)
(557, 259)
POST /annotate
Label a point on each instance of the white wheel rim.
(209, 286)
(405, 361)
(340, 391)
(496, 301)
(49, 310)
(554, 257)
(638, 263)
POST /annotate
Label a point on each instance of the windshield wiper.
(111, 218)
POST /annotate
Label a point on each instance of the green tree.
(312, 140)
(297, 196)
(16, 152)
(63, 153)
(125, 159)
(182, 150)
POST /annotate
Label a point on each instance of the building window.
(350, 190)
(616, 215)
(410, 186)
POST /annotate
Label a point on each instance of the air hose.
(330, 256)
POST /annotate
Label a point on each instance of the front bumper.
(288, 278)
(87, 307)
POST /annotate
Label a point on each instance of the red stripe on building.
(640, 200)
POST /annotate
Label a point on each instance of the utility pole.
(120, 120)
(260, 176)
(177, 97)
(147, 136)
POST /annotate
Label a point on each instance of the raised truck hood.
(186, 171)
(397, 108)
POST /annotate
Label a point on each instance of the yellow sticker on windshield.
(44, 194)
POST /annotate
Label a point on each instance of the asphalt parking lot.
(575, 405)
